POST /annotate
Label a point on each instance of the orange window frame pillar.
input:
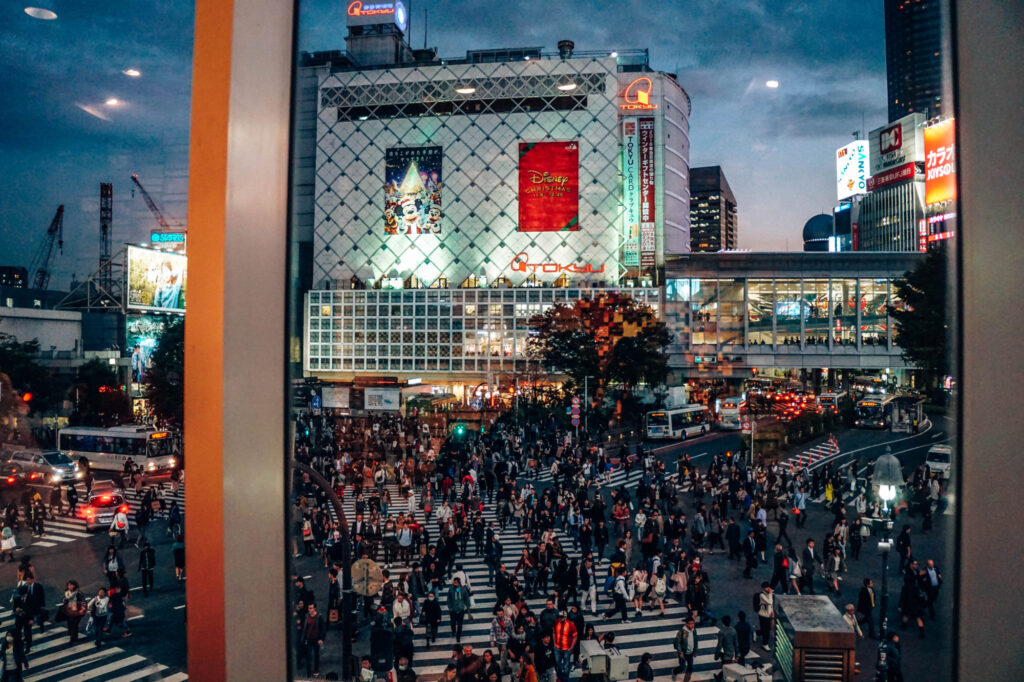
(235, 340)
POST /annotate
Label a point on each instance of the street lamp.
(889, 478)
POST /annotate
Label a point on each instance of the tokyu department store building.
(447, 201)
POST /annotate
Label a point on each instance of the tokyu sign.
(361, 13)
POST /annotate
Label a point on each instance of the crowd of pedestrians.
(596, 553)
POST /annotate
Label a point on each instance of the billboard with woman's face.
(156, 280)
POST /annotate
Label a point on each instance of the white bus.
(679, 422)
(109, 449)
(873, 413)
(832, 402)
(729, 414)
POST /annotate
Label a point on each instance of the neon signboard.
(637, 95)
(369, 13)
(520, 263)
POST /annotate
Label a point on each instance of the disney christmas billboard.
(549, 186)
(412, 190)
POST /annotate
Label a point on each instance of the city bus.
(109, 449)
(873, 413)
(833, 401)
(679, 423)
(865, 385)
(729, 414)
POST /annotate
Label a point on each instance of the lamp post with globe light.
(888, 476)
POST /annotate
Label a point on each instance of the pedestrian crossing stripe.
(650, 633)
(54, 659)
(71, 528)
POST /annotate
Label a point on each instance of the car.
(940, 460)
(100, 508)
(12, 476)
(52, 466)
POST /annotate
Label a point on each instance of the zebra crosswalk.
(811, 456)
(652, 632)
(63, 529)
(54, 659)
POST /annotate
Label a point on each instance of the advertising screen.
(370, 13)
(142, 335)
(336, 397)
(381, 399)
(412, 190)
(549, 186)
(939, 163)
(156, 280)
(630, 193)
(648, 244)
(852, 169)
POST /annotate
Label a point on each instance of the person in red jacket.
(565, 635)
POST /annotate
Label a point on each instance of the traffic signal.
(27, 396)
(460, 429)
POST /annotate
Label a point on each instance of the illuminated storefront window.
(760, 311)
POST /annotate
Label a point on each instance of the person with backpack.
(619, 594)
(119, 529)
(685, 645)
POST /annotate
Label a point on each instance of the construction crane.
(41, 263)
(153, 208)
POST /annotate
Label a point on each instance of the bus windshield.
(869, 409)
(657, 419)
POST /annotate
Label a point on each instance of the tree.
(923, 317)
(610, 338)
(99, 400)
(165, 386)
(26, 378)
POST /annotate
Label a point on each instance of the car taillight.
(10, 479)
(33, 476)
(105, 498)
(123, 509)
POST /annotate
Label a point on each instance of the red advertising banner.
(549, 186)
(648, 240)
(892, 176)
(939, 163)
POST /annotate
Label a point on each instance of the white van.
(939, 460)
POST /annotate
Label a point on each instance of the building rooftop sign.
(373, 13)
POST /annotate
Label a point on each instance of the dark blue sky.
(776, 146)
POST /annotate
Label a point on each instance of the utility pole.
(586, 406)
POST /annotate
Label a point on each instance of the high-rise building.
(712, 210)
(914, 58)
(449, 200)
(890, 214)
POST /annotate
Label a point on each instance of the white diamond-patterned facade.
(416, 183)
(363, 114)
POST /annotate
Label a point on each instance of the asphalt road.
(157, 645)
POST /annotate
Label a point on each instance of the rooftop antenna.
(425, 28)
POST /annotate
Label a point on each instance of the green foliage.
(24, 375)
(165, 380)
(923, 319)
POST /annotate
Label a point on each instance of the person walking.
(685, 645)
(430, 616)
(112, 563)
(119, 529)
(458, 606)
(13, 657)
(72, 609)
(744, 637)
(808, 564)
(765, 613)
(178, 552)
(72, 495)
(147, 565)
(118, 596)
(565, 637)
(800, 507)
(313, 631)
(99, 612)
(727, 648)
